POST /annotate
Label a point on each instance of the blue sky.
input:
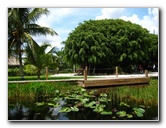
(64, 20)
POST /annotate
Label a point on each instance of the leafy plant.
(100, 104)
(121, 113)
(139, 111)
(106, 113)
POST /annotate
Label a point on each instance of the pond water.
(28, 110)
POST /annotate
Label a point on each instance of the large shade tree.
(109, 43)
(154, 49)
(21, 26)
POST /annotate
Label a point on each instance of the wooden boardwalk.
(97, 82)
(114, 81)
(100, 82)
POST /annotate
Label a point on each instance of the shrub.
(13, 71)
(30, 69)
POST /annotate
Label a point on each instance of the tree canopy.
(109, 43)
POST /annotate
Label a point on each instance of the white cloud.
(134, 18)
(55, 41)
(110, 13)
(149, 21)
(55, 16)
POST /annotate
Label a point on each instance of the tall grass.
(35, 91)
(146, 94)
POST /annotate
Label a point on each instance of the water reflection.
(22, 112)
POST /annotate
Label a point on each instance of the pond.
(113, 103)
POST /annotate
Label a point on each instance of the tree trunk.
(46, 73)
(38, 74)
(89, 68)
(20, 62)
(94, 70)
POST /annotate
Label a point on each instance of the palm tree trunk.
(46, 73)
(21, 66)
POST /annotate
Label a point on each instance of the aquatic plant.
(139, 111)
(79, 99)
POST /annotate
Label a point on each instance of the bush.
(30, 69)
(13, 71)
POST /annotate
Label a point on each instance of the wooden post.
(46, 73)
(74, 68)
(85, 73)
(146, 73)
(116, 71)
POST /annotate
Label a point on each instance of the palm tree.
(41, 58)
(21, 27)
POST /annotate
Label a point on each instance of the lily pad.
(139, 111)
(99, 108)
(103, 99)
(106, 113)
(40, 103)
(124, 104)
(57, 99)
(121, 113)
(129, 116)
(53, 105)
(75, 109)
(65, 109)
(84, 100)
(103, 94)
(91, 104)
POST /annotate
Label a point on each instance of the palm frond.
(53, 50)
(38, 30)
(37, 13)
(32, 44)
(44, 46)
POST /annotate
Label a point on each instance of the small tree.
(41, 58)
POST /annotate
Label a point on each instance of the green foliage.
(147, 94)
(37, 91)
(110, 43)
(75, 100)
(153, 50)
(13, 71)
(40, 59)
(30, 69)
(139, 111)
(21, 26)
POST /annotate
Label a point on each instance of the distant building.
(13, 62)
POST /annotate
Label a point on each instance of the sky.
(64, 20)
